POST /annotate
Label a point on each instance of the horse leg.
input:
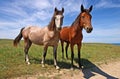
(79, 61)
(66, 48)
(72, 55)
(27, 46)
(62, 45)
(55, 57)
(44, 55)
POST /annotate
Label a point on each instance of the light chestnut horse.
(47, 36)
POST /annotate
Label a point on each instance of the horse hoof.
(28, 63)
(57, 67)
(43, 65)
(81, 67)
(72, 68)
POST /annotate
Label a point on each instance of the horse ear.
(62, 9)
(82, 8)
(55, 9)
(90, 9)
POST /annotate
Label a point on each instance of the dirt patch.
(104, 71)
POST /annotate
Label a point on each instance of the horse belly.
(36, 37)
(77, 39)
(53, 43)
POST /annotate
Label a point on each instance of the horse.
(73, 35)
(46, 36)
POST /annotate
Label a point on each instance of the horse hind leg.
(66, 48)
(62, 45)
(72, 55)
(26, 49)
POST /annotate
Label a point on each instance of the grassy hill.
(12, 59)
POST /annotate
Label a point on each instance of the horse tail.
(18, 38)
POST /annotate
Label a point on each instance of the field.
(12, 63)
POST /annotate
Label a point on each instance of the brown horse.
(47, 36)
(73, 35)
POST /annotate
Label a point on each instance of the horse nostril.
(89, 29)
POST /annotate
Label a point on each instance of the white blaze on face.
(58, 20)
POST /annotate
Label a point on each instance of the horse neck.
(51, 25)
(76, 24)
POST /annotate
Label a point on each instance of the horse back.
(34, 34)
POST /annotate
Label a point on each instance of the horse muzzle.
(59, 28)
(88, 29)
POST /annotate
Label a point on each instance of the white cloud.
(39, 12)
(32, 11)
(72, 6)
(107, 4)
(33, 4)
(103, 35)
(5, 25)
(9, 33)
(13, 11)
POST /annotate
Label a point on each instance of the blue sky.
(15, 14)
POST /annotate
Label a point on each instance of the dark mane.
(76, 22)
(51, 25)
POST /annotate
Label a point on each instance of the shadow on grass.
(35, 60)
(61, 64)
(89, 69)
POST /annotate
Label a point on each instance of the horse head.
(58, 18)
(85, 19)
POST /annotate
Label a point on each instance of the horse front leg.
(55, 57)
(66, 49)
(79, 55)
(72, 55)
(62, 45)
(44, 55)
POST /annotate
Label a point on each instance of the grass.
(12, 59)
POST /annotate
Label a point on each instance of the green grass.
(12, 59)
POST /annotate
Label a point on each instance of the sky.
(15, 14)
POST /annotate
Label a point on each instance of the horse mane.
(76, 22)
(51, 25)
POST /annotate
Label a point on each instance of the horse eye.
(55, 16)
(83, 16)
